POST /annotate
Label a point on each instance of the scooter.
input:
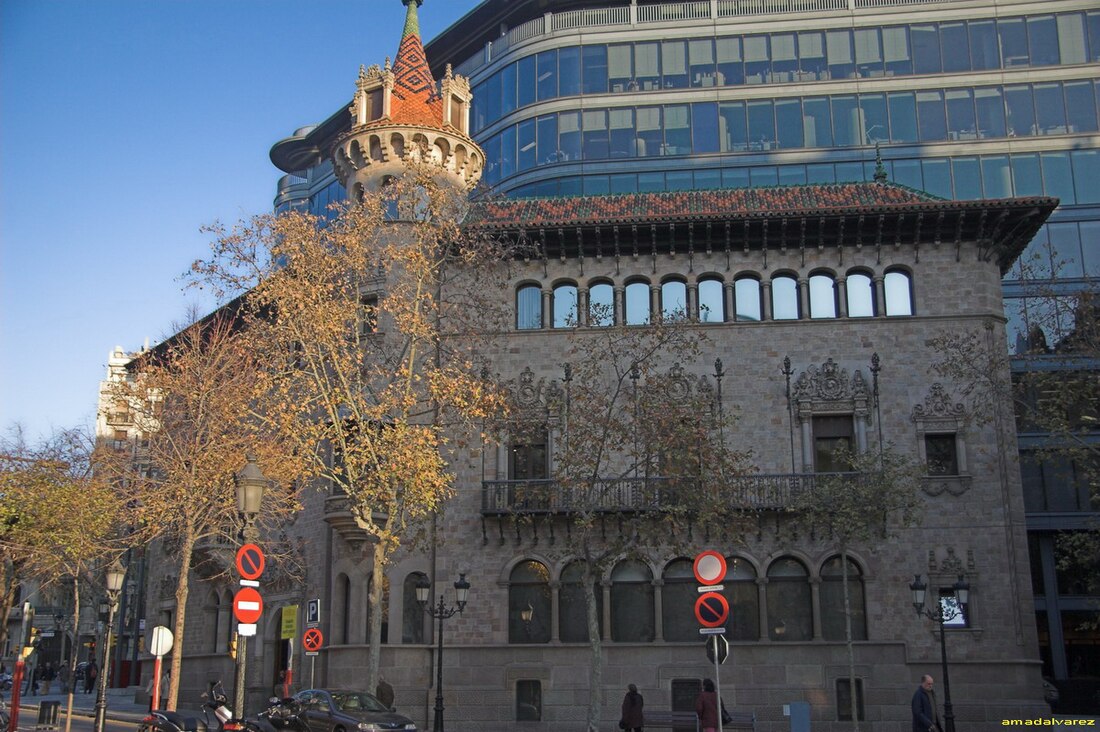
(213, 703)
(282, 716)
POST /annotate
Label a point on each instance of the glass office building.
(964, 99)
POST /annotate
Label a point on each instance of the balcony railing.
(617, 495)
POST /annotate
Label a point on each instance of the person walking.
(63, 675)
(926, 716)
(384, 692)
(632, 718)
(48, 675)
(91, 671)
(706, 707)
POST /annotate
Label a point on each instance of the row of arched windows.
(633, 606)
(859, 293)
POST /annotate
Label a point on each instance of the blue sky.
(125, 126)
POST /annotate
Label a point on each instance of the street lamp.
(441, 612)
(941, 615)
(115, 576)
(61, 623)
(250, 494)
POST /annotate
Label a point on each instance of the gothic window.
(572, 611)
(899, 293)
(832, 438)
(790, 608)
(785, 298)
(632, 615)
(861, 295)
(529, 589)
(941, 443)
(385, 608)
(678, 595)
(565, 306)
(712, 307)
(744, 599)
(832, 601)
(412, 616)
(823, 296)
(601, 304)
(529, 307)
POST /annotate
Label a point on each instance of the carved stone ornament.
(679, 388)
(952, 564)
(527, 394)
(937, 485)
(938, 405)
(829, 383)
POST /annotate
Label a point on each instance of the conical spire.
(415, 100)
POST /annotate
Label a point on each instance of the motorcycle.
(283, 715)
(5, 681)
(213, 704)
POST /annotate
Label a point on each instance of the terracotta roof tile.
(415, 100)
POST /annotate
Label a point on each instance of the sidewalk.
(120, 705)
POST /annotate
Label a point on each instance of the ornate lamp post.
(250, 494)
(441, 612)
(941, 615)
(115, 576)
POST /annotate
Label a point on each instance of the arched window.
(529, 307)
(674, 300)
(385, 608)
(861, 295)
(601, 304)
(214, 609)
(678, 595)
(632, 602)
(790, 609)
(785, 298)
(412, 616)
(573, 620)
(342, 606)
(712, 308)
(899, 293)
(747, 299)
(529, 587)
(565, 306)
(822, 296)
(744, 599)
(832, 601)
(637, 303)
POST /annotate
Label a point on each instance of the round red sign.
(250, 561)
(710, 568)
(248, 606)
(712, 609)
(312, 640)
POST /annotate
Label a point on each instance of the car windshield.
(357, 701)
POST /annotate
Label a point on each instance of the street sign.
(711, 631)
(313, 612)
(717, 645)
(710, 568)
(246, 629)
(161, 642)
(312, 640)
(711, 609)
(250, 561)
(288, 628)
(248, 606)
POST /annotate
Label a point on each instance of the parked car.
(338, 710)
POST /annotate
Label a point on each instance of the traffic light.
(233, 647)
(31, 642)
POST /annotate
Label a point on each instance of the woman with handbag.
(706, 707)
(632, 718)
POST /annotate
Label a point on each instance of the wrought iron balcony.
(618, 495)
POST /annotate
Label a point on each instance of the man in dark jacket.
(632, 718)
(926, 718)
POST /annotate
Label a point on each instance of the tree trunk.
(72, 654)
(183, 588)
(7, 593)
(377, 587)
(595, 671)
(848, 639)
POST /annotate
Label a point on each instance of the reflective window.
(637, 303)
(647, 67)
(529, 307)
(899, 296)
(569, 137)
(822, 296)
(925, 38)
(649, 139)
(565, 306)
(529, 588)
(673, 300)
(789, 123)
(678, 594)
(955, 44)
(731, 68)
(620, 68)
(601, 304)
(1027, 179)
(677, 130)
(784, 298)
(847, 125)
(1071, 39)
(811, 56)
(990, 111)
(961, 123)
(1058, 178)
(594, 68)
(747, 299)
(572, 607)
(525, 144)
(761, 124)
(860, 290)
(876, 122)
(547, 139)
(838, 52)
(621, 133)
(1080, 107)
(833, 618)
(1042, 36)
(1050, 111)
(996, 176)
(569, 71)
(744, 598)
(736, 135)
(903, 116)
(868, 45)
(596, 142)
(984, 51)
(790, 612)
(674, 71)
(1086, 171)
(1013, 41)
(508, 98)
(930, 115)
(704, 128)
(632, 614)
(701, 62)
(817, 122)
(526, 81)
(897, 57)
(711, 306)
(967, 177)
(756, 59)
(546, 85)
(1020, 111)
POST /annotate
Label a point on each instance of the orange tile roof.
(415, 98)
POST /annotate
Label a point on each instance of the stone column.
(842, 297)
(555, 610)
(693, 301)
(547, 308)
(766, 289)
(815, 605)
(803, 298)
(729, 300)
(620, 304)
(654, 302)
(880, 296)
(582, 306)
(658, 610)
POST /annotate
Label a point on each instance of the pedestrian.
(926, 716)
(90, 673)
(48, 675)
(31, 672)
(706, 707)
(384, 692)
(632, 718)
(63, 675)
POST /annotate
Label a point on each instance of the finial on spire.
(880, 169)
(412, 23)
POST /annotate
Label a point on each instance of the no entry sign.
(312, 640)
(711, 609)
(710, 568)
(247, 605)
(250, 561)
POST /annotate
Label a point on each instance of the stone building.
(822, 302)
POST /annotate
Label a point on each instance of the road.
(80, 724)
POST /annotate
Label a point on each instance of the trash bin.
(48, 712)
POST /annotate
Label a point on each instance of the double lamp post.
(441, 612)
(943, 612)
